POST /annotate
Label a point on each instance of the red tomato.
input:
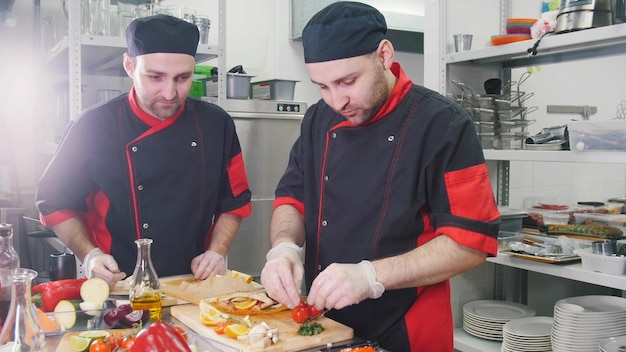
(182, 332)
(114, 340)
(313, 312)
(300, 314)
(99, 346)
(127, 342)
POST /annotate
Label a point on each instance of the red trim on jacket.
(243, 212)
(403, 85)
(95, 220)
(58, 217)
(237, 175)
(289, 201)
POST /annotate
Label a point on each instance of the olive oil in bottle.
(145, 289)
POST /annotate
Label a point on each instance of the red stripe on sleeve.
(237, 175)
(463, 188)
(243, 212)
(290, 201)
(58, 217)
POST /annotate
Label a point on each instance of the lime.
(79, 343)
(94, 334)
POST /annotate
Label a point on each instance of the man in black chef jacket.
(387, 186)
(152, 163)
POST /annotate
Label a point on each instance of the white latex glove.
(208, 263)
(102, 265)
(283, 273)
(341, 285)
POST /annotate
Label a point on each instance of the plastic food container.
(616, 220)
(556, 218)
(275, 89)
(614, 265)
(597, 135)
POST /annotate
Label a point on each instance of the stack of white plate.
(613, 344)
(580, 323)
(530, 334)
(486, 318)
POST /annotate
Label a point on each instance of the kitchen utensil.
(576, 15)
(604, 247)
(493, 86)
(462, 42)
(62, 266)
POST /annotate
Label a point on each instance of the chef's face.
(354, 87)
(162, 81)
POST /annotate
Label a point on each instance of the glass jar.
(145, 289)
(21, 331)
(9, 262)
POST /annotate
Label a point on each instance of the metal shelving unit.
(580, 45)
(79, 55)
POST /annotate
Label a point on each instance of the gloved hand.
(341, 285)
(102, 265)
(283, 273)
(208, 263)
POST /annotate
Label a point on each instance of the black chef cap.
(341, 30)
(161, 34)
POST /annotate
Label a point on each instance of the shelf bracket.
(586, 110)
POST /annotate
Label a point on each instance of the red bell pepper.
(159, 337)
(48, 294)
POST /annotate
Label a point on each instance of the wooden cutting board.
(289, 340)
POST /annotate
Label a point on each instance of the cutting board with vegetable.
(289, 339)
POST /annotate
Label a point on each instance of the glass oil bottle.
(145, 289)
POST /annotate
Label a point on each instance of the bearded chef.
(152, 163)
(387, 186)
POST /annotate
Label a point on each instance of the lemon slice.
(210, 315)
(239, 275)
(249, 303)
(79, 343)
(236, 330)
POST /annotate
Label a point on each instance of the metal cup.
(62, 266)
(462, 42)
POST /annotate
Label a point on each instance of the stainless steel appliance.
(583, 14)
(267, 130)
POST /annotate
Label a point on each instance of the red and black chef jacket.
(129, 175)
(414, 172)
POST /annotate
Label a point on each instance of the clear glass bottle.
(145, 289)
(9, 262)
(21, 331)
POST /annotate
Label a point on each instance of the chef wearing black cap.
(387, 186)
(152, 163)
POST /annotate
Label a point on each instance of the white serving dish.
(613, 265)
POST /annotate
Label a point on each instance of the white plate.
(595, 305)
(497, 310)
(612, 344)
(531, 326)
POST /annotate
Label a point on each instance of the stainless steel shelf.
(553, 48)
(101, 55)
(613, 157)
(568, 271)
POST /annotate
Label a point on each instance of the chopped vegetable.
(46, 323)
(65, 314)
(124, 317)
(310, 329)
(48, 294)
(94, 290)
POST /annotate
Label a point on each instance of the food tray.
(85, 320)
(550, 260)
